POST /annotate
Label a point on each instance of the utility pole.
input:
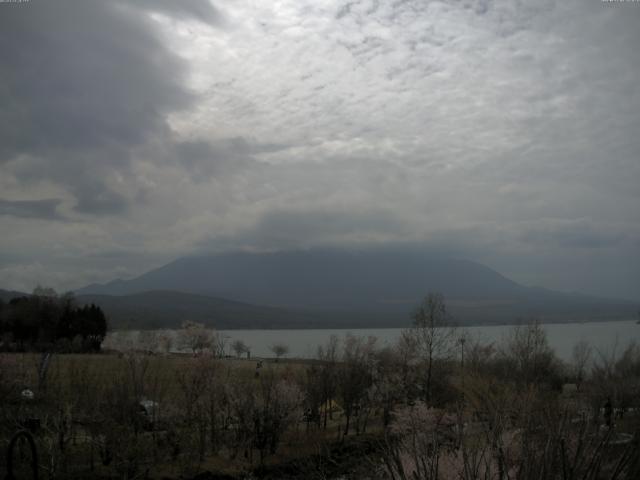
(461, 406)
(462, 341)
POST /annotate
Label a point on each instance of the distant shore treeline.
(46, 321)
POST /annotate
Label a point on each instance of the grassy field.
(84, 390)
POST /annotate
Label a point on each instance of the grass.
(75, 380)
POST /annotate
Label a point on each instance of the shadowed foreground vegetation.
(436, 405)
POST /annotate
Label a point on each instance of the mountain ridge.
(168, 309)
(387, 284)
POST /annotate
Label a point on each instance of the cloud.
(42, 209)
(200, 9)
(83, 84)
(205, 159)
(495, 130)
(574, 234)
(72, 81)
(311, 227)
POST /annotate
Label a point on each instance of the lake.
(603, 336)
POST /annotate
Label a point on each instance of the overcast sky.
(136, 132)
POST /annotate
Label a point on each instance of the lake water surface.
(603, 336)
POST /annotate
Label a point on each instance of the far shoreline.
(387, 327)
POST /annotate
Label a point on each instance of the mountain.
(168, 309)
(6, 295)
(319, 279)
(329, 287)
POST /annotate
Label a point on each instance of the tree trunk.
(346, 428)
(429, 367)
(326, 408)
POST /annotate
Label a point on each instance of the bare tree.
(239, 347)
(214, 399)
(191, 381)
(530, 358)
(219, 344)
(165, 342)
(415, 444)
(616, 376)
(355, 376)
(433, 333)
(328, 355)
(389, 387)
(148, 341)
(581, 356)
(279, 350)
(312, 387)
(278, 402)
(262, 411)
(195, 337)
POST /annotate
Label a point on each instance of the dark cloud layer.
(81, 84)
